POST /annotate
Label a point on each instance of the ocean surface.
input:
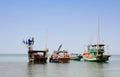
(16, 65)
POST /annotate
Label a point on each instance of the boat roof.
(35, 51)
(98, 45)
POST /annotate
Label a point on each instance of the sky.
(72, 23)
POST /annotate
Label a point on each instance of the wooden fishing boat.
(35, 56)
(96, 53)
(76, 56)
(60, 56)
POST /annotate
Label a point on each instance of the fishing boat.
(35, 56)
(96, 53)
(60, 56)
(76, 56)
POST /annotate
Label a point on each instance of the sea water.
(16, 65)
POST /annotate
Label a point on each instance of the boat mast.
(46, 39)
(98, 35)
(108, 49)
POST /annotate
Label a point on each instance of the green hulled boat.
(76, 56)
(96, 53)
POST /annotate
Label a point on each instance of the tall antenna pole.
(108, 49)
(98, 37)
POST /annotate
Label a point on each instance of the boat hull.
(59, 60)
(103, 58)
(78, 58)
(34, 56)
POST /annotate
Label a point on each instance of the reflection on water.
(37, 70)
(93, 69)
(48, 70)
(72, 69)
